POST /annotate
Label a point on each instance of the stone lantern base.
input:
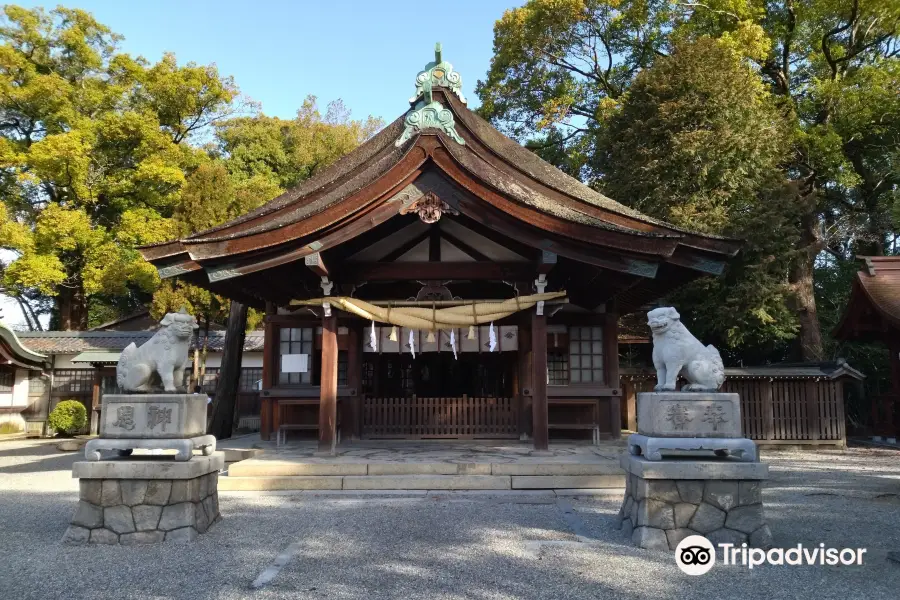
(666, 501)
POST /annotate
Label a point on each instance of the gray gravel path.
(445, 545)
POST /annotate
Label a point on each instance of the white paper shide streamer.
(492, 334)
(373, 338)
(453, 343)
(412, 343)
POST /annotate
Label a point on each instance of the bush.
(69, 416)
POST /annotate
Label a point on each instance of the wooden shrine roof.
(479, 177)
(874, 305)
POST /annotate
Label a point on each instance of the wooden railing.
(779, 411)
(414, 417)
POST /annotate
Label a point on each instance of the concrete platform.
(429, 465)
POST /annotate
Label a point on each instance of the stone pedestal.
(144, 500)
(153, 421)
(666, 501)
(677, 422)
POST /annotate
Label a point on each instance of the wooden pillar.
(611, 368)
(629, 394)
(524, 380)
(95, 400)
(270, 343)
(328, 386)
(539, 411)
(354, 378)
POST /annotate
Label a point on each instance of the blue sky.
(365, 52)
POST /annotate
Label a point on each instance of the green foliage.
(286, 152)
(697, 142)
(101, 152)
(565, 71)
(92, 155)
(69, 416)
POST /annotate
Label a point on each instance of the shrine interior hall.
(441, 281)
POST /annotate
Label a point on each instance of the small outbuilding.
(873, 315)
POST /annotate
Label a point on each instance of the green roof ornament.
(439, 73)
(426, 112)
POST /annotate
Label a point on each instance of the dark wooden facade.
(440, 200)
(873, 315)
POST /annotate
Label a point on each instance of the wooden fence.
(414, 417)
(778, 410)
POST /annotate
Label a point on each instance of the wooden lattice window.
(343, 365)
(557, 367)
(73, 381)
(249, 379)
(37, 384)
(586, 354)
(7, 379)
(296, 340)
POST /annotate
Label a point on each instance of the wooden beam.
(316, 264)
(464, 247)
(328, 386)
(434, 243)
(405, 247)
(539, 411)
(495, 236)
(429, 270)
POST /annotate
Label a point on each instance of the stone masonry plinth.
(144, 500)
(667, 501)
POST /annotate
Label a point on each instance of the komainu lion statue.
(676, 351)
(166, 353)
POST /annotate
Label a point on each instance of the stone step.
(419, 482)
(276, 468)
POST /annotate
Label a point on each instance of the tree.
(286, 152)
(564, 66)
(93, 154)
(697, 142)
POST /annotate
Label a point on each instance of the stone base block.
(667, 501)
(145, 501)
(184, 448)
(153, 416)
(689, 414)
(653, 448)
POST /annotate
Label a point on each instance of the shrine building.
(442, 281)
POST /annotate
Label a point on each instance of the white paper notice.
(294, 363)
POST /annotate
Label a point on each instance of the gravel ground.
(446, 545)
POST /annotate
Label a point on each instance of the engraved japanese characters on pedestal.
(167, 420)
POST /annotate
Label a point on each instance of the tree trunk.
(72, 305)
(803, 285)
(804, 301)
(222, 422)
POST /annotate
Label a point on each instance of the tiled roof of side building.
(70, 342)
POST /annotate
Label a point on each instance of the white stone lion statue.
(676, 350)
(166, 353)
